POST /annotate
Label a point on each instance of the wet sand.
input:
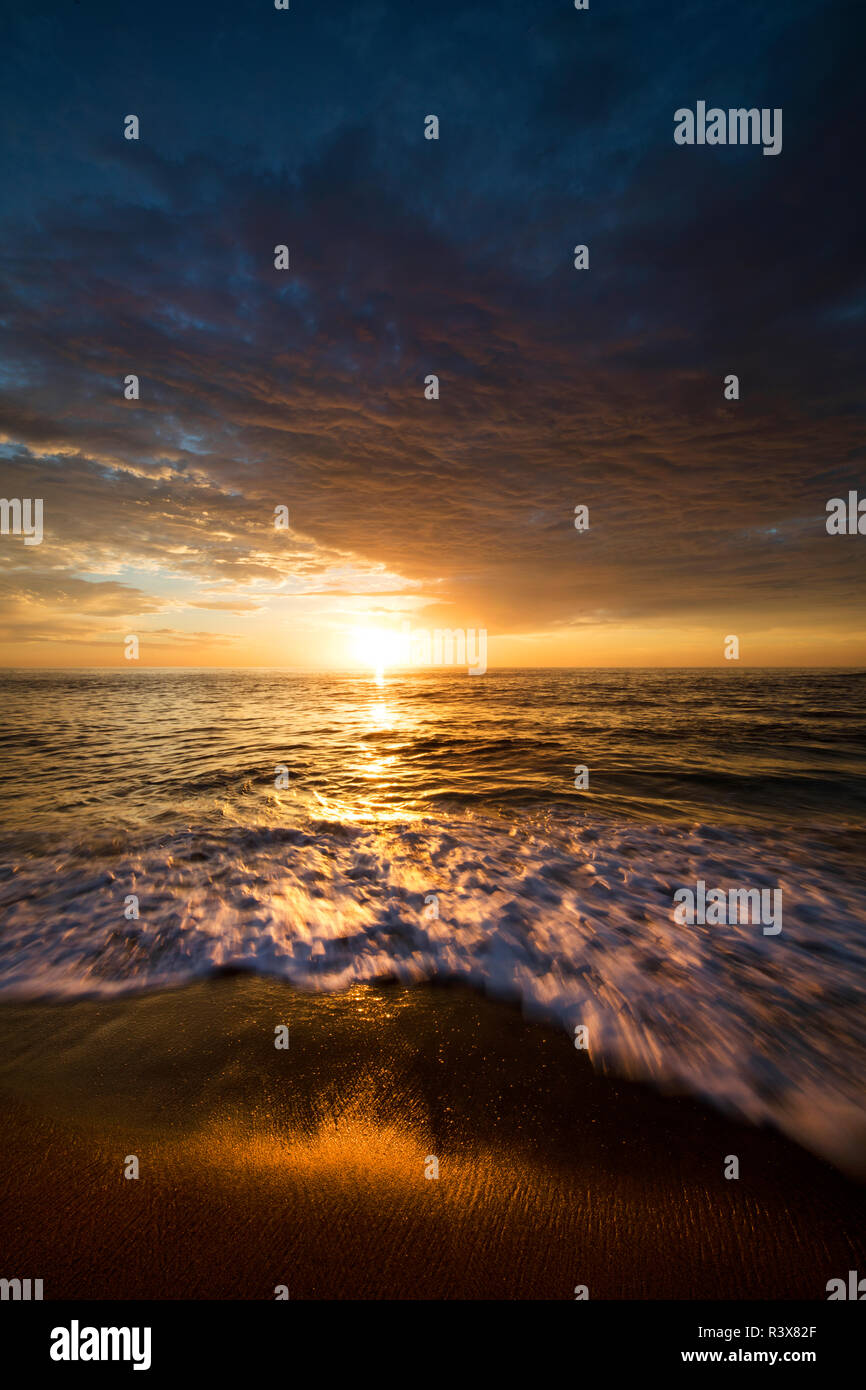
(305, 1167)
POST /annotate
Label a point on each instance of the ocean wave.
(571, 917)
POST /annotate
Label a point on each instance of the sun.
(376, 649)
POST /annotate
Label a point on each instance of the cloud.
(557, 387)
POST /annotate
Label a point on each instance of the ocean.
(328, 830)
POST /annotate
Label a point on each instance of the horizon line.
(441, 670)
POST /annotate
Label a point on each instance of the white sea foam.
(573, 920)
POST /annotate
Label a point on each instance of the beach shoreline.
(304, 1167)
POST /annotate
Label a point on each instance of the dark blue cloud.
(454, 257)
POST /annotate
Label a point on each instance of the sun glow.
(376, 649)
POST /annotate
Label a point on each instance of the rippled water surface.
(431, 829)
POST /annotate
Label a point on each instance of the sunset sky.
(305, 387)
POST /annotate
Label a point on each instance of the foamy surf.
(574, 919)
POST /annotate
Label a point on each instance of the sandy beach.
(305, 1167)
